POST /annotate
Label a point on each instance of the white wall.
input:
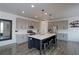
(72, 33)
(8, 16)
(13, 18)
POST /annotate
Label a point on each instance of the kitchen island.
(37, 41)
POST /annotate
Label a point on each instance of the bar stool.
(46, 45)
(51, 43)
(55, 42)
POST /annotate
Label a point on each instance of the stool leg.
(50, 43)
(45, 47)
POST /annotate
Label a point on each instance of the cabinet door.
(59, 36)
(21, 38)
(62, 36)
(30, 42)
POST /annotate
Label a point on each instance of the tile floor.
(63, 48)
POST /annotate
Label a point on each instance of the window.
(5, 29)
(1, 27)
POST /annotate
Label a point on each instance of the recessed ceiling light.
(32, 6)
(45, 13)
(22, 11)
(36, 16)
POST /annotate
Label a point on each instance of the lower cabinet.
(62, 36)
(33, 43)
(36, 43)
(21, 38)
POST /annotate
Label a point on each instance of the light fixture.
(42, 10)
(45, 13)
(22, 11)
(32, 6)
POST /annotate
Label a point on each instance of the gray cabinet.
(21, 38)
(62, 36)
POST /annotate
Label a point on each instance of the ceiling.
(53, 10)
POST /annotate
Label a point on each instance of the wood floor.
(63, 48)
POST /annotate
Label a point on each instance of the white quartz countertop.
(41, 36)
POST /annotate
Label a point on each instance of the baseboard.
(8, 45)
(22, 43)
(69, 41)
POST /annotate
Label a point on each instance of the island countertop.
(42, 36)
